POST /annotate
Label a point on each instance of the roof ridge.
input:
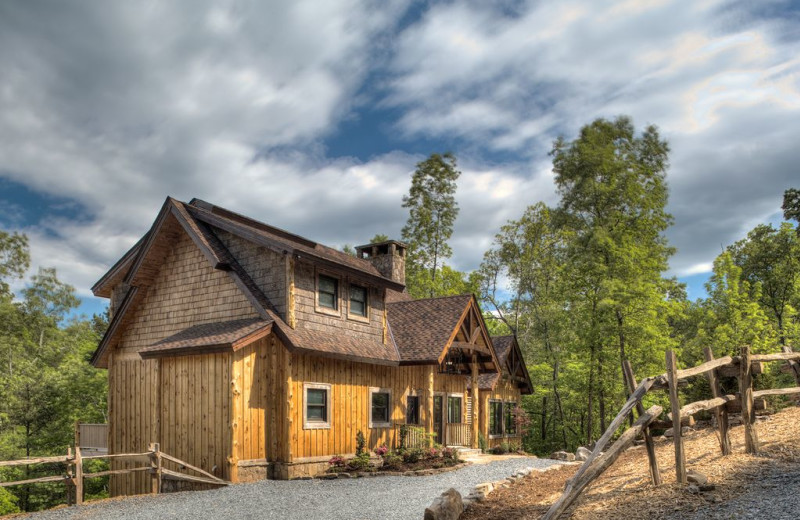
(466, 295)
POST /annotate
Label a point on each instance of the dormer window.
(328, 292)
(358, 301)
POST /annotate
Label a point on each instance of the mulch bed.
(624, 490)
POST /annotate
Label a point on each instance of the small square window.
(317, 405)
(380, 408)
(328, 289)
(358, 301)
(412, 409)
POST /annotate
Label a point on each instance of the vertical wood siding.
(504, 391)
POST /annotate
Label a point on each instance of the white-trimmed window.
(380, 409)
(495, 418)
(358, 307)
(328, 294)
(316, 406)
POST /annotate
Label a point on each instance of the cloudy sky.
(312, 115)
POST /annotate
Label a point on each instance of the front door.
(437, 419)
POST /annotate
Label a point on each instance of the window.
(380, 411)
(358, 301)
(495, 418)
(511, 423)
(328, 289)
(454, 409)
(317, 405)
(412, 409)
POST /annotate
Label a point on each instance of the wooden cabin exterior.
(251, 352)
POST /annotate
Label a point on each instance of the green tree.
(14, 258)
(791, 205)
(613, 189)
(769, 260)
(432, 214)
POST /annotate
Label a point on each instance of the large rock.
(695, 477)
(449, 506)
(562, 455)
(582, 454)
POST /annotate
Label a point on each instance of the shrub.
(482, 444)
(359, 462)
(392, 461)
(360, 443)
(413, 455)
(433, 453)
(8, 503)
(450, 454)
(403, 434)
(381, 450)
(337, 461)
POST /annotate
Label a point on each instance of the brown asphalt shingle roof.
(502, 346)
(422, 328)
(202, 337)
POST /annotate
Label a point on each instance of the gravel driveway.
(343, 499)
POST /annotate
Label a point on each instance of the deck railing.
(457, 434)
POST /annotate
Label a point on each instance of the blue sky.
(311, 116)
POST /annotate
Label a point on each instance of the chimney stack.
(388, 257)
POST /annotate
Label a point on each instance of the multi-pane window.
(511, 423)
(495, 418)
(453, 409)
(317, 405)
(379, 413)
(412, 409)
(328, 292)
(358, 300)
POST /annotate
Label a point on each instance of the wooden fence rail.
(74, 475)
(743, 366)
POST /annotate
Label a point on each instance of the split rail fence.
(743, 366)
(74, 476)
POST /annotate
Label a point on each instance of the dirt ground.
(625, 491)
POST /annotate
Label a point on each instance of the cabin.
(251, 352)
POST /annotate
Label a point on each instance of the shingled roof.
(422, 328)
(210, 337)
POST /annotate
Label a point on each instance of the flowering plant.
(381, 450)
(337, 461)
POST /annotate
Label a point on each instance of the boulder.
(562, 455)
(448, 506)
(582, 454)
(695, 477)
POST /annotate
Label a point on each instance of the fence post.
(746, 395)
(720, 412)
(68, 480)
(655, 473)
(78, 476)
(675, 404)
(155, 467)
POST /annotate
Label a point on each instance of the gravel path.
(775, 496)
(343, 499)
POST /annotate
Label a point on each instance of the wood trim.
(113, 327)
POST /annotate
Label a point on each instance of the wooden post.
(155, 467)
(78, 476)
(746, 396)
(794, 368)
(70, 483)
(655, 473)
(429, 404)
(720, 412)
(675, 404)
(475, 401)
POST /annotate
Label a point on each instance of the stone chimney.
(388, 257)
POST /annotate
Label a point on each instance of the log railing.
(74, 475)
(743, 366)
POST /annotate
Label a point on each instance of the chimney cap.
(367, 249)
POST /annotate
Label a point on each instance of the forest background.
(582, 285)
